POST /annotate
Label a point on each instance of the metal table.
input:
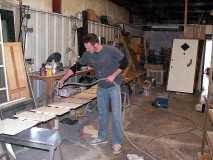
(38, 138)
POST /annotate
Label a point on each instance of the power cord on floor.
(171, 134)
(194, 127)
(185, 131)
(147, 153)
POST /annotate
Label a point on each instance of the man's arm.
(111, 77)
(122, 65)
(65, 77)
(69, 73)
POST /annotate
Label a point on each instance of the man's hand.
(64, 78)
(110, 78)
(61, 83)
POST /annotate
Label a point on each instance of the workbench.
(50, 81)
(37, 138)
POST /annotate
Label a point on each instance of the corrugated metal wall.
(51, 33)
(102, 30)
(54, 33)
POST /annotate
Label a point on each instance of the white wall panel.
(51, 33)
(107, 31)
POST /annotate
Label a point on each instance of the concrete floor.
(167, 134)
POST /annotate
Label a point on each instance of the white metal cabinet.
(183, 65)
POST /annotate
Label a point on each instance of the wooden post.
(185, 16)
(20, 20)
(56, 6)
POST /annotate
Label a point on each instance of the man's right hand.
(65, 77)
(61, 83)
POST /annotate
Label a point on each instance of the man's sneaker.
(116, 148)
(98, 141)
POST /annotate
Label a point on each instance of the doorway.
(8, 29)
(206, 66)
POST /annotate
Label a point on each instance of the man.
(108, 63)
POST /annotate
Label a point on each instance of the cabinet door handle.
(189, 64)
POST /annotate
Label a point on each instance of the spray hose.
(124, 133)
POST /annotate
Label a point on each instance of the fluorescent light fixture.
(165, 27)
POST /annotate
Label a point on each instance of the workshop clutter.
(89, 131)
(161, 101)
(52, 65)
(134, 157)
(90, 14)
(147, 88)
(155, 71)
(48, 69)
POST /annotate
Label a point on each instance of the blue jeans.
(104, 96)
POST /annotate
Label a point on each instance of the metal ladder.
(3, 88)
(4, 77)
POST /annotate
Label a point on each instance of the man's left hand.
(110, 78)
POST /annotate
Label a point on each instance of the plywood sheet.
(90, 91)
(94, 87)
(35, 116)
(87, 92)
(51, 110)
(76, 100)
(15, 126)
(16, 74)
(68, 105)
(84, 95)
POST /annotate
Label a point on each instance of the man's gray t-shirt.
(105, 63)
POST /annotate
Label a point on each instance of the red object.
(56, 6)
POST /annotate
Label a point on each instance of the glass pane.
(2, 78)
(1, 59)
(3, 96)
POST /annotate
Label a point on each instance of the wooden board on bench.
(29, 115)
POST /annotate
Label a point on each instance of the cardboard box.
(91, 15)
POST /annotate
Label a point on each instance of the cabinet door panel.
(183, 65)
(16, 74)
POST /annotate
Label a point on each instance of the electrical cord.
(171, 134)
(194, 127)
(147, 153)
(124, 133)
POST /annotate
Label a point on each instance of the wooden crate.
(91, 15)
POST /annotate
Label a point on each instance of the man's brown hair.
(91, 37)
